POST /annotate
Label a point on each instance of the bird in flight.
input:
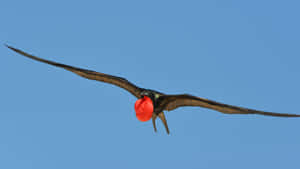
(151, 103)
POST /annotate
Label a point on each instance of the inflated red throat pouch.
(144, 108)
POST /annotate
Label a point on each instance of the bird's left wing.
(89, 74)
(171, 102)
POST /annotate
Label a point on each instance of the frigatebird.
(151, 103)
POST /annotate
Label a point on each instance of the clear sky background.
(244, 53)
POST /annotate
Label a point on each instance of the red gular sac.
(144, 108)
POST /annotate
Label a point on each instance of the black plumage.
(161, 101)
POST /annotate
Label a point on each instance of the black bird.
(161, 101)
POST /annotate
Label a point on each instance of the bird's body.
(154, 99)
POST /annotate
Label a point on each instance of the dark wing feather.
(171, 102)
(89, 74)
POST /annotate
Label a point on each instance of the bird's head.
(146, 93)
(152, 94)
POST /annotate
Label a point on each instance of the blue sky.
(236, 52)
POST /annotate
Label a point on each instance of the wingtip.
(14, 49)
(6, 45)
(10, 47)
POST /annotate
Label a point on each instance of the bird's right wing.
(89, 74)
(171, 102)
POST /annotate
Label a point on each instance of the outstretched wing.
(171, 102)
(89, 74)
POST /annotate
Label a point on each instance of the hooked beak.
(162, 117)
